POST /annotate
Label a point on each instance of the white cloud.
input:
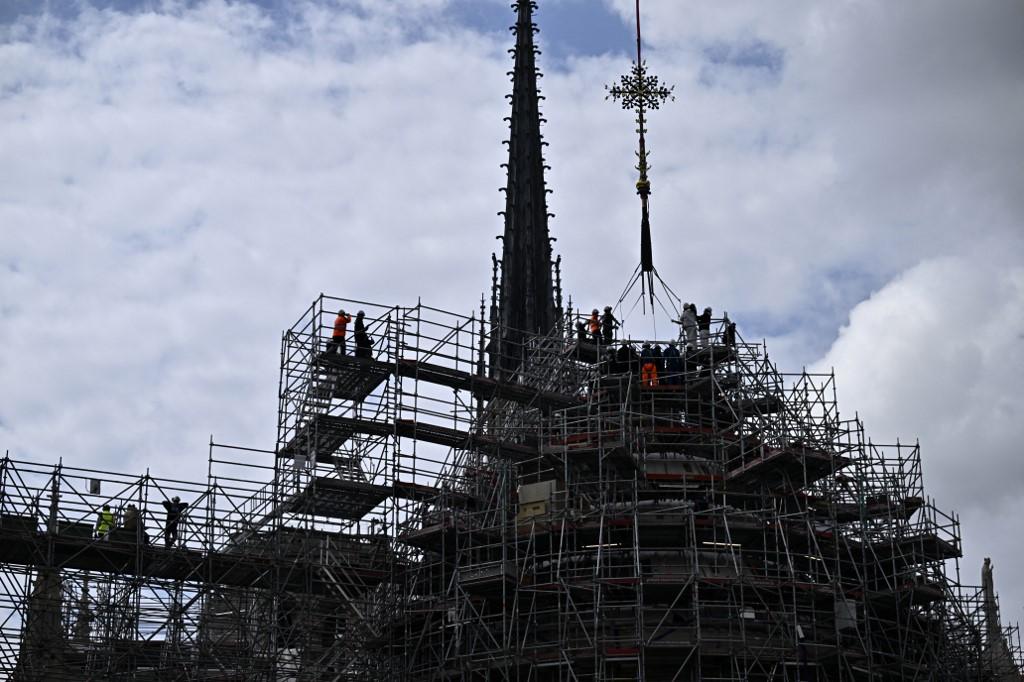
(939, 353)
(177, 185)
(888, 137)
(177, 190)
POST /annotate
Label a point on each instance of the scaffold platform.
(339, 498)
(121, 556)
(352, 378)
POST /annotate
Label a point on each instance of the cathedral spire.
(526, 300)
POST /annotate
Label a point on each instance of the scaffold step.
(431, 536)
(235, 567)
(486, 578)
(353, 378)
(585, 442)
(687, 480)
(338, 498)
(322, 385)
(418, 492)
(318, 396)
(791, 467)
(766, 404)
(667, 438)
(688, 389)
(454, 438)
(916, 592)
(483, 387)
(584, 351)
(873, 508)
(591, 450)
(924, 546)
(17, 524)
(328, 432)
(322, 435)
(711, 355)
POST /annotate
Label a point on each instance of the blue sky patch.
(820, 320)
(751, 63)
(567, 28)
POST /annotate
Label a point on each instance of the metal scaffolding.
(503, 496)
(420, 519)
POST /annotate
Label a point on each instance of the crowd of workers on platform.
(656, 365)
(652, 360)
(133, 523)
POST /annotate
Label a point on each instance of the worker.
(623, 358)
(659, 359)
(595, 326)
(581, 331)
(104, 522)
(648, 370)
(688, 320)
(134, 525)
(175, 508)
(704, 325)
(634, 361)
(729, 332)
(337, 343)
(364, 343)
(673, 364)
(608, 325)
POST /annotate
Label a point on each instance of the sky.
(178, 180)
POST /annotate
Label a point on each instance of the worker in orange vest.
(595, 326)
(340, 330)
(648, 367)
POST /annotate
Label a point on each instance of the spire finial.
(641, 92)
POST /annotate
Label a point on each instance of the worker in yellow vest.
(104, 522)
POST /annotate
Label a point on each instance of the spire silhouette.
(526, 297)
